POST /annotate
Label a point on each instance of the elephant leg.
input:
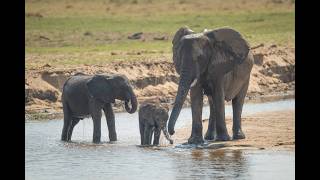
(67, 118)
(219, 109)
(96, 117)
(147, 135)
(196, 95)
(210, 134)
(156, 138)
(96, 128)
(237, 104)
(110, 122)
(141, 128)
(150, 136)
(74, 122)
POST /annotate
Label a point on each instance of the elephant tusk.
(194, 83)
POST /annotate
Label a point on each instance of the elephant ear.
(100, 88)
(177, 45)
(231, 41)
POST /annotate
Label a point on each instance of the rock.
(46, 65)
(87, 33)
(255, 47)
(277, 1)
(258, 59)
(40, 94)
(269, 72)
(43, 37)
(46, 95)
(137, 35)
(273, 46)
(288, 77)
(160, 38)
(34, 15)
(27, 94)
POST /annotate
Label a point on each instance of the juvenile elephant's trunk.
(134, 103)
(166, 134)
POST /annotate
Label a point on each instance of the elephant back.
(177, 45)
(231, 41)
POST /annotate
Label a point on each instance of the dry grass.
(65, 32)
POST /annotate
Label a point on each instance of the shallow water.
(49, 158)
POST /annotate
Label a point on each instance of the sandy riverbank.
(269, 130)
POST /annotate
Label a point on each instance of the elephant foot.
(64, 137)
(113, 139)
(171, 141)
(96, 141)
(238, 135)
(69, 139)
(209, 135)
(223, 137)
(195, 140)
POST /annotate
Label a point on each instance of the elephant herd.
(216, 63)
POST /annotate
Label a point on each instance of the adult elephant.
(87, 95)
(216, 63)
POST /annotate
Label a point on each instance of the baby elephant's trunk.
(166, 134)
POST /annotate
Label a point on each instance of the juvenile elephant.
(216, 63)
(152, 119)
(87, 95)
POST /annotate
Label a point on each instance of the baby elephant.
(152, 119)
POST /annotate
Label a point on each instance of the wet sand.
(270, 130)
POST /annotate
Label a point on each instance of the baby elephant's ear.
(231, 41)
(99, 87)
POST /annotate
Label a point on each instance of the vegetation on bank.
(69, 33)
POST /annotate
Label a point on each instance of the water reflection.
(209, 164)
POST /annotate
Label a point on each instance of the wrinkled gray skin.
(85, 95)
(152, 119)
(216, 63)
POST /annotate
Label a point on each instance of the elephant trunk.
(166, 134)
(184, 85)
(134, 103)
(187, 75)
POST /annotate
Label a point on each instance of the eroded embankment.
(273, 75)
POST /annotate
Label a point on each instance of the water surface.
(49, 158)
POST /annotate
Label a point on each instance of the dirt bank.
(273, 76)
(270, 130)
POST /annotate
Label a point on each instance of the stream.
(46, 157)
